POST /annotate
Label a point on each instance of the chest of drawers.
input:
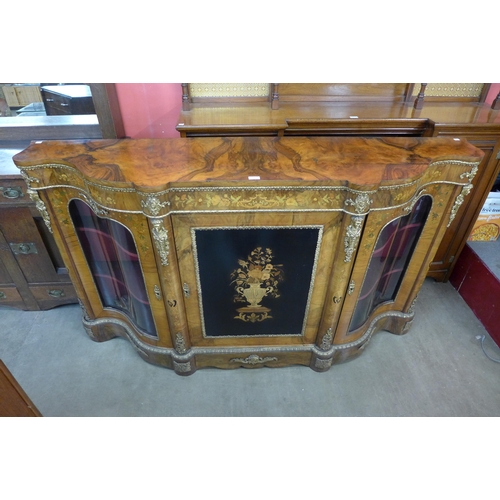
(67, 100)
(32, 274)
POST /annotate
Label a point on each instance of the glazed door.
(394, 254)
(257, 278)
(119, 269)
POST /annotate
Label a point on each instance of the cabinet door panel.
(113, 259)
(393, 258)
(21, 232)
(255, 280)
(16, 291)
(389, 261)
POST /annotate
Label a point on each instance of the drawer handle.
(64, 104)
(49, 100)
(253, 359)
(56, 293)
(2, 295)
(12, 192)
(23, 248)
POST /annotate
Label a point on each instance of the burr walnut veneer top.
(157, 162)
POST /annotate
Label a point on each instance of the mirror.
(45, 99)
(42, 111)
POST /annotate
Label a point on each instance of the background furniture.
(14, 402)
(68, 100)
(106, 123)
(32, 274)
(34, 281)
(19, 95)
(380, 110)
(211, 94)
(253, 251)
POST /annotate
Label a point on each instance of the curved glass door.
(112, 257)
(389, 261)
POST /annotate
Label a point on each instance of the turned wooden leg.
(419, 101)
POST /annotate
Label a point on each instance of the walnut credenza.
(248, 252)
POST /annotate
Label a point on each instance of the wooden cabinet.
(32, 273)
(68, 100)
(248, 252)
(21, 95)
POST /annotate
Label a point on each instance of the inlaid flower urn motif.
(255, 279)
(254, 294)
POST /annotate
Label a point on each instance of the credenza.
(248, 251)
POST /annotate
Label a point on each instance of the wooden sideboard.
(248, 251)
(367, 110)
